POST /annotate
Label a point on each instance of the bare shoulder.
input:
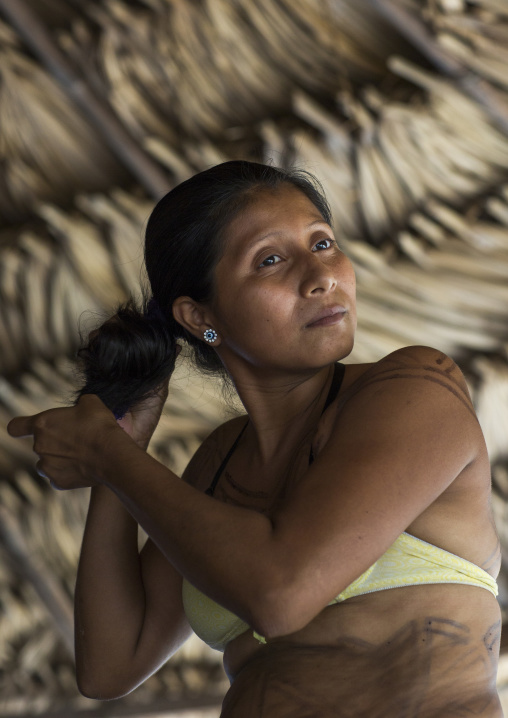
(208, 457)
(414, 395)
(427, 365)
(427, 360)
(460, 519)
(418, 396)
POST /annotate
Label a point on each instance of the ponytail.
(128, 356)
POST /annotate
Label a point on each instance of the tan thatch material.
(474, 33)
(48, 151)
(416, 173)
(165, 75)
(71, 267)
(57, 13)
(439, 144)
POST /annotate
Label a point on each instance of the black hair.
(130, 355)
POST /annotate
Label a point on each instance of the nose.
(318, 276)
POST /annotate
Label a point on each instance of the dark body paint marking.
(431, 667)
(423, 377)
(242, 490)
(493, 558)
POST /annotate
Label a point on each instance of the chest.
(262, 487)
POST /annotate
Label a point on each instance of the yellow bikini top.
(409, 561)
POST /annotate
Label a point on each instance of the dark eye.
(269, 261)
(327, 241)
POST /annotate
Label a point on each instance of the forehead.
(285, 209)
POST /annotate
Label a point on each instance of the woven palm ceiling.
(400, 107)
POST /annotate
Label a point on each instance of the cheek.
(265, 307)
(348, 273)
(263, 315)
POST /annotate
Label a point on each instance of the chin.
(339, 350)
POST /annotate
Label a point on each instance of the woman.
(337, 540)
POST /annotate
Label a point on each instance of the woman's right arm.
(129, 617)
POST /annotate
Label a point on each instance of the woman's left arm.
(396, 445)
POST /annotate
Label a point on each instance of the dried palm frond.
(453, 296)
(474, 33)
(47, 150)
(76, 263)
(442, 145)
(55, 12)
(491, 401)
(164, 75)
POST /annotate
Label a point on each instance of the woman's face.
(285, 292)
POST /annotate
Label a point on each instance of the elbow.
(103, 684)
(282, 609)
(93, 691)
(281, 593)
(98, 691)
(89, 688)
(275, 617)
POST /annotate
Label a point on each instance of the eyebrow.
(278, 232)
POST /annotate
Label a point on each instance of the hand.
(141, 420)
(69, 441)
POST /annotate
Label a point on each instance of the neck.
(282, 411)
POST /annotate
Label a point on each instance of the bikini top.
(409, 561)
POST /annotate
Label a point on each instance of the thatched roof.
(399, 107)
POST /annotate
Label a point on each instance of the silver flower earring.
(210, 336)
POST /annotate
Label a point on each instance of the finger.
(21, 426)
(44, 475)
(59, 477)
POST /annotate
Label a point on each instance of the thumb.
(21, 426)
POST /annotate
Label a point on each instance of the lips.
(329, 315)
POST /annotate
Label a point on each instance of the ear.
(193, 316)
